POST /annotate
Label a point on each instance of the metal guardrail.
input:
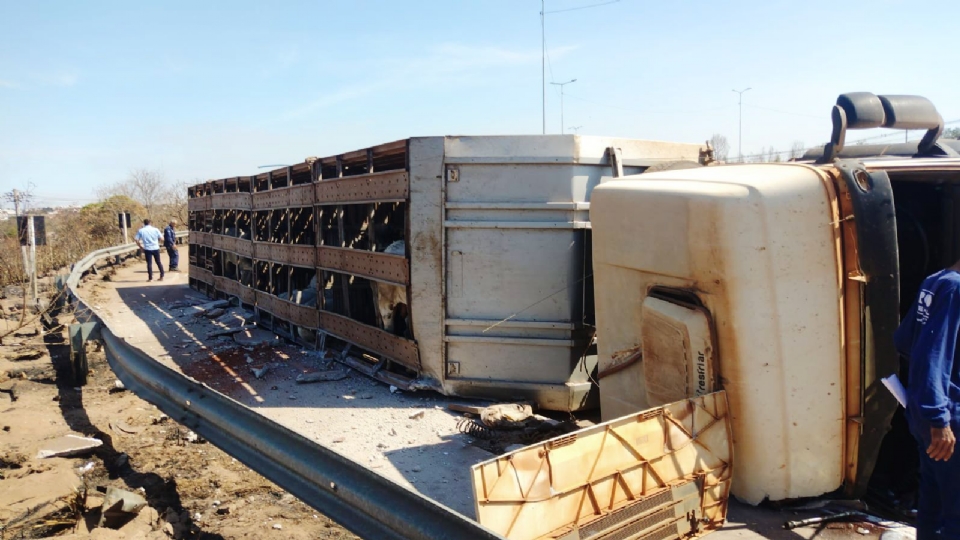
(364, 502)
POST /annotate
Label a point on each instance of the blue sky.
(91, 90)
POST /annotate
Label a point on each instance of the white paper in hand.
(896, 388)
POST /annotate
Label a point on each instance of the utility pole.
(561, 85)
(740, 129)
(17, 197)
(543, 64)
(33, 258)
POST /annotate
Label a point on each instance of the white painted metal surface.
(757, 245)
(499, 236)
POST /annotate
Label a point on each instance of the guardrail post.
(79, 335)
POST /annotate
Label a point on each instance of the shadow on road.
(160, 493)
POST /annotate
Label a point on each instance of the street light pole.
(740, 129)
(561, 85)
(543, 64)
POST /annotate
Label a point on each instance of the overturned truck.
(461, 264)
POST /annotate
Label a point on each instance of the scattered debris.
(27, 332)
(224, 510)
(277, 526)
(192, 437)
(214, 313)
(506, 415)
(122, 427)
(394, 389)
(322, 376)
(417, 415)
(160, 419)
(12, 390)
(790, 525)
(339, 440)
(122, 461)
(506, 424)
(23, 355)
(251, 337)
(229, 331)
(262, 371)
(119, 506)
(469, 409)
(210, 306)
(68, 445)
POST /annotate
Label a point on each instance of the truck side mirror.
(863, 110)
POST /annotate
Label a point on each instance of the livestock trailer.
(459, 264)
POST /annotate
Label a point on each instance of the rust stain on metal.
(386, 186)
(378, 266)
(374, 339)
(661, 473)
(303, 256)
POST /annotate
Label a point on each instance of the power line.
(817, 116)
(683, 111)
(583, 7)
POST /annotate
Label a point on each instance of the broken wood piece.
(470, 409)
(322, 376)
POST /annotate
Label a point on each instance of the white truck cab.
(780, 284)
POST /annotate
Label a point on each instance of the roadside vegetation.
(72, 233)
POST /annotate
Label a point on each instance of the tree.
(721, 147)
(797, 150)
(147, 187)
(952, 133)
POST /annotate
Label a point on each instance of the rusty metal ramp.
(658, 474)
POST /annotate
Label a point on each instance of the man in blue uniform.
(148, 239)
(170, 242)
(928, 338)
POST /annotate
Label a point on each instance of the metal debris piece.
(790, 525)
(322, 376)
(68, 445)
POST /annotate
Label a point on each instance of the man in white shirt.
(148, 239)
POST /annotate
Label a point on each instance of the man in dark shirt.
(170, 242)
(927, 336)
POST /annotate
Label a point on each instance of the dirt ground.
(196, 491)
(193, 489)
